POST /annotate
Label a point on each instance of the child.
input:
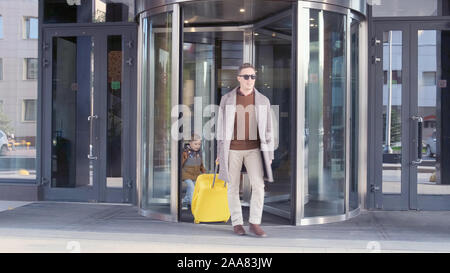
(191, 166)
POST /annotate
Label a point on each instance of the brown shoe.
(239, 230)
(257, 230)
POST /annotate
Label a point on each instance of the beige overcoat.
(225, 128)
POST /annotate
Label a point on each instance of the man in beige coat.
(245, 136)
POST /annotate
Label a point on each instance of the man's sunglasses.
(246, 77)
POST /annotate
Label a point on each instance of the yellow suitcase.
(210, 202)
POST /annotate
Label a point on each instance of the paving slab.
(63, 227)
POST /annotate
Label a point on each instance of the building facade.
(358, 94)
(18, 85)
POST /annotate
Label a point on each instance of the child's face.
(195, 144)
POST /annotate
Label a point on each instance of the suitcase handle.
(215, 173)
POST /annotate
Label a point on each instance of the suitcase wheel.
(196, 221)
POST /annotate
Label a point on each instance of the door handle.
(91, 147)
(91, 153)
(419, 120)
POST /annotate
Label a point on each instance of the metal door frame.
(99, 191)
(409, 199)
(389, 201)
(173, 215)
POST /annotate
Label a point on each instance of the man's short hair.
(244, 66)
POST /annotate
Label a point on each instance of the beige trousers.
(253, 163)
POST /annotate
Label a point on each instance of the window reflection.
(394, 8)
(95, 11)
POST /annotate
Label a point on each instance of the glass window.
(1, 27)
(209, 13)
(31, 28)
(325, 112)
(428, 78)
(61, 12)
(394, 8)
(31, 68)
(95, 11)
(18, 102)
(113, 11)
(29, 113)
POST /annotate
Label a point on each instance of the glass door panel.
(273, 61)
(156, 115)
(114, 165)
(73, 114)
(432, 98)
(210, 61)
(325, 115)
(354, 129)
(392, 112)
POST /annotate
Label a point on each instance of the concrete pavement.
(80, 227)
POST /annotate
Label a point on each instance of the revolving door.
(306, 57)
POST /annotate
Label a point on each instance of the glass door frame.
(99, 191)
(408, 199)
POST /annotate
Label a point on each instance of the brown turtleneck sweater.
(248, 137)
